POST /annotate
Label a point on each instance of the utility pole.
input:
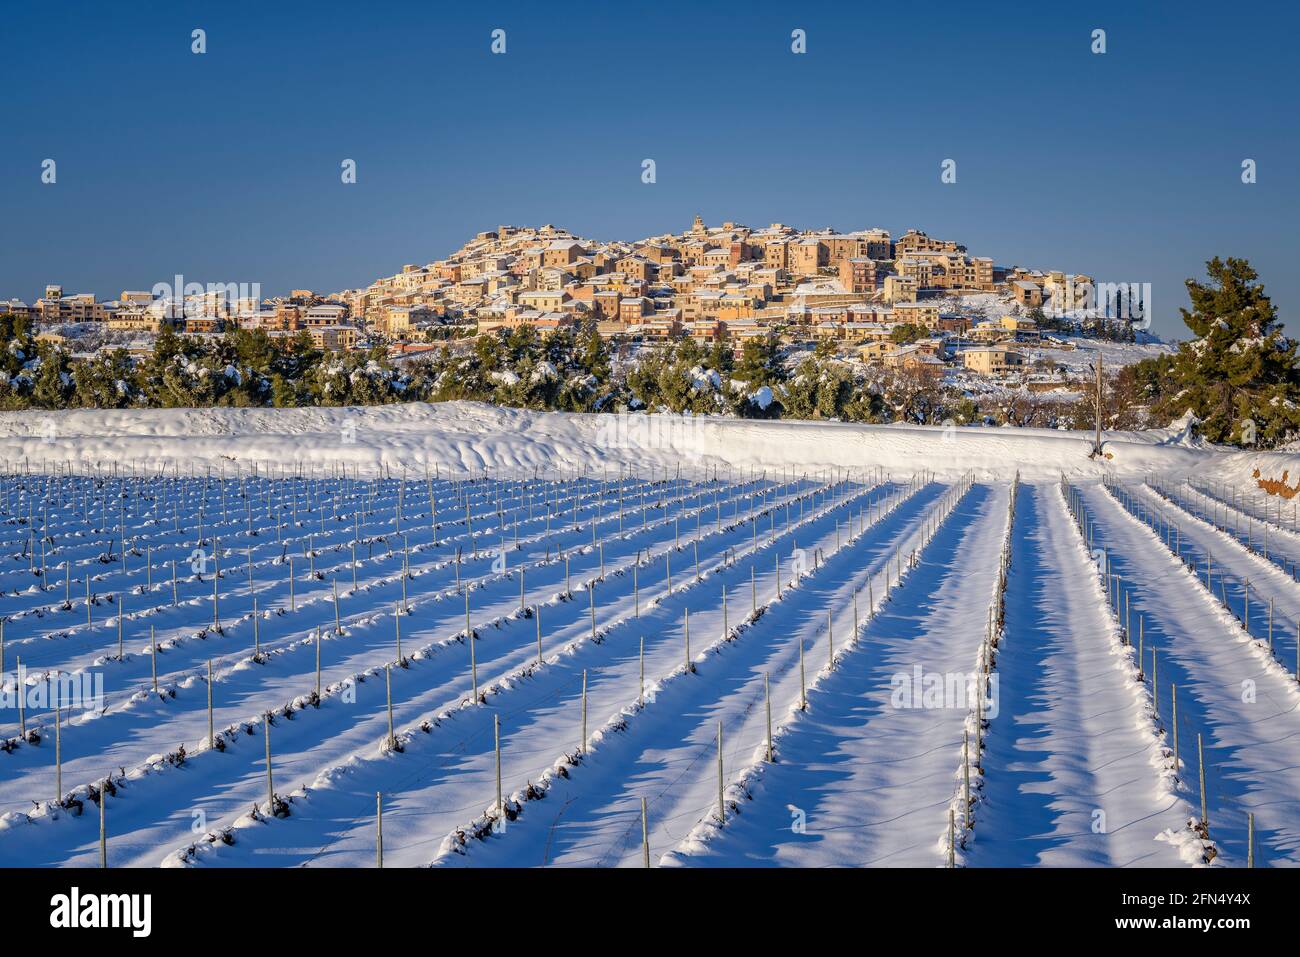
(1096, 445)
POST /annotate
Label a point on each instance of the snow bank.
(470, 436)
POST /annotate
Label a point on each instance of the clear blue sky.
(225, 167)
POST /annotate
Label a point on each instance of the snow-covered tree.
(1238, 377)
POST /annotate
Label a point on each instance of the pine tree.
(1238, 377)
(760, 363)
(595, 356)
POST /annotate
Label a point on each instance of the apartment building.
(58, 307)
(992, 360)
(633, 309)
(1014, 328)
(544, 300)
(876, 244)
(918, 313)
(807, 256)
(637, 267)
(335, 338)
(561, 252)
(916, 241)
(1026, 293)
(926, 354)
(325, 314)
(900, 289)
(17, 307)
(858, 274)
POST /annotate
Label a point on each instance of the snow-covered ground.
(470, 437)
(637, 608)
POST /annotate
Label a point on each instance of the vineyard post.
(469, 639)
(767, 704)
(212, 741)
(103, 829)
(1270, 625)
(722, 810)
(270, 786)
(582, 747)
(1155, 682)
(830, 640)
(803, 687)
(965, 767)
(952, 839)
(686, 617)
(645, 835)
(1173, 705)
(496, 733)
(1200, 758)
(388, 693)
(1142, 652)
(58, 741)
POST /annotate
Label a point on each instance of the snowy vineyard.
(715, 666)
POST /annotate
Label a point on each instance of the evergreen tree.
(107, 381)
(905, 333)
(760, 363)
(51, 383)
(1239, 375)
(594, 359)
(643, 378)
(721, 357)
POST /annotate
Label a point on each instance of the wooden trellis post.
(767, 704)
(270, 785)
(645, 835)
(722, 809)
(583, 746)
(103, 827)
